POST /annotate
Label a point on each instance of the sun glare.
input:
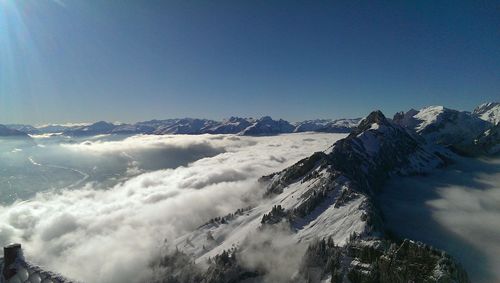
(18, 55)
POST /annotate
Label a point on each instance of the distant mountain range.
(466, 132)
(234, 125)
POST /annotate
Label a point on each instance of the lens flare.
(20, 65)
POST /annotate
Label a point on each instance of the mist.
(275, 251)
(108, 228)
(456, 209)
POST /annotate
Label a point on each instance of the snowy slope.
(338, 223)
(489, 112)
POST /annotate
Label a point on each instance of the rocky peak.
(375, 117)
(102, 125)
(404, 118)
(266, 119)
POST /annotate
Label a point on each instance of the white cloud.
(110, 235)
(275, 251)
(473, 214)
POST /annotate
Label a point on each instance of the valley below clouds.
(108, 226)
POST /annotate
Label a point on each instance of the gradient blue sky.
(71, 60)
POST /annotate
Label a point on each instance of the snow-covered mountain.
(267, 126)
(327, 125)
(185, 126)
(437, 124)
(441, 124)
(232, 125)
(328, 203)
(489, 112)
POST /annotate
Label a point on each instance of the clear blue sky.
(120, 60)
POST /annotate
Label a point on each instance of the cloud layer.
(110, 235)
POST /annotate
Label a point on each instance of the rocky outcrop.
(379, 261)
(15, 268)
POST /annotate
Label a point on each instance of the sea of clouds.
(111, 234)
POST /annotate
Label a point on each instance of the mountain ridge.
(330, 196)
